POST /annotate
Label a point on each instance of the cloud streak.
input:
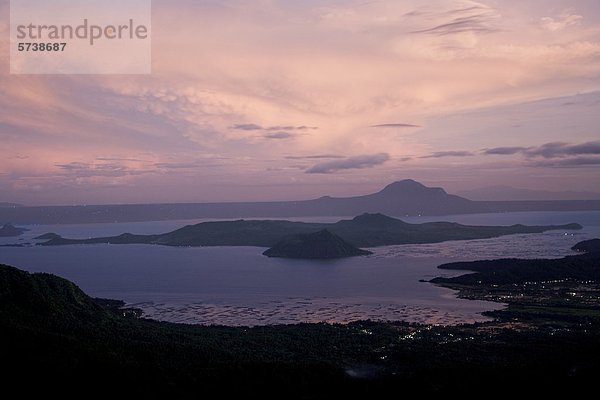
(314, 157)
(395, 126)
(561, 149)
(85, 170)
(571, 162)
(549, 150)
(563, 21)
(503, 151)
(256, 127)
(247, 127)
(356, 162)
(475, 19)
(279, 135)
(553, 154)
(291, 128)
(442, 154)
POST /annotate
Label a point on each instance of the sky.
(285, 99)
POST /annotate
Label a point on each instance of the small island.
(9, 230)
(318, 245)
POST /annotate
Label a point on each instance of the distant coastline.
(402, 198)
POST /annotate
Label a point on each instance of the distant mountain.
(366, 230)
(402, 198)
(318, 245)
(9, 230)
(507, 193)
(406, 197)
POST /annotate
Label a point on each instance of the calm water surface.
(239, 286)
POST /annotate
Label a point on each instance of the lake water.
(240, 286)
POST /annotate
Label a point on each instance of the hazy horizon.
(486, 193)
(284, 100)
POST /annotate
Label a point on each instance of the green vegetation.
(319, 245)
(367, 230)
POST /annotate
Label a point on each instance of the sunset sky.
(261, 100)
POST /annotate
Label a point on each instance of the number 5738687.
(41, 46)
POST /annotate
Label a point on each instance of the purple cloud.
(357, 162)
(561, 149)
(440, 154)
(502, 151)
(279, 135)
(395, 126)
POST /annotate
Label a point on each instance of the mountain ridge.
(366, 230)
(401, 198)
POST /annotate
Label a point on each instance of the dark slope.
(57, 340)
(318, 245)
(588, 246)
(40, 298)
(367, 230)
(406, 197)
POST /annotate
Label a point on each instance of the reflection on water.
(239, 286)
(311, 309)
(554, 244)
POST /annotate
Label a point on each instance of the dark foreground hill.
(57, 341)
(367, 230)
(318, 245)
(402, 198)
